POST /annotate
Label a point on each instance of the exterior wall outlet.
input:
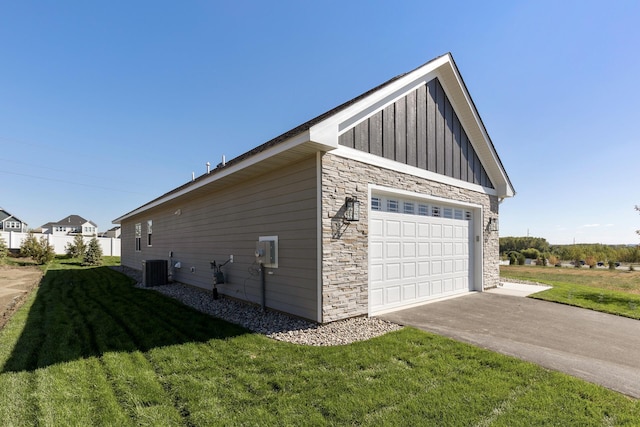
(231, 259)
(193, 269)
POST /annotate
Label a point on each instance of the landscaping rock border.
(273, 324)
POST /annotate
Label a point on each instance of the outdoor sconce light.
(352, 209)
(493, 224)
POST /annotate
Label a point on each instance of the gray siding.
(213, 225)
(421, 130)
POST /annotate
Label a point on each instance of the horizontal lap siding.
(228, 222)
(423, 130)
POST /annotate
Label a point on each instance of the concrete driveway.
(597, 347)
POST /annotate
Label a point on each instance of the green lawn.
(89, 349)
(60, 261)
(608, 291)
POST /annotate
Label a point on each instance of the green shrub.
(93, 254)
(37, 249)
(3, 249)
(531, 253)
(77, 248)
(612, 265)
(543, 260)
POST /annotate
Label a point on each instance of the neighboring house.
(71, 225)
(9, 222)
(113, 233)
(388, 201)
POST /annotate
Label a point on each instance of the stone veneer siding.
(345, 246)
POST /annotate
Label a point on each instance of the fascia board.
(455, 89)
(505, 190)
(300, 138)
(327, 131)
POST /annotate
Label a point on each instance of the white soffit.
(328, 130)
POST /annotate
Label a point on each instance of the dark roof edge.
(310, 123)
(285, 136)
(473, 104)
(12, 216)
(307, 125)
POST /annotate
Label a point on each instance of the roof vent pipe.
(222, 163)
(208, 168)
(193, 176)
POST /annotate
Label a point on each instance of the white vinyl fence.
(13, 240)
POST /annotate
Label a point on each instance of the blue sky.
(107, 105)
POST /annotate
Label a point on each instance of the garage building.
(389, 200)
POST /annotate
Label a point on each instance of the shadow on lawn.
(608, 299)
(80, 313)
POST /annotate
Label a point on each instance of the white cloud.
(591, 225)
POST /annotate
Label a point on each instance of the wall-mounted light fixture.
(493, 224)
(352, 209)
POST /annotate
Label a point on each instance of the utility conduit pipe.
(264, 288)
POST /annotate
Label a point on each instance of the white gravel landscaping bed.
(271, 323)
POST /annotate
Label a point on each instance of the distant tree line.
(538, 248)
(508, 244)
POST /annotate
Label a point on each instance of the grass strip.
(126, 356)
(602, 300)
(608, 292)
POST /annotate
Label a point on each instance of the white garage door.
(415, 256)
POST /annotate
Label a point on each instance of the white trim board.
(319, 231)
(373, 160)
(381, 189)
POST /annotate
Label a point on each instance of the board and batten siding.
(421, 130)
(202, 226)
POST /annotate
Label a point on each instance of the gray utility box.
(154, 272)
